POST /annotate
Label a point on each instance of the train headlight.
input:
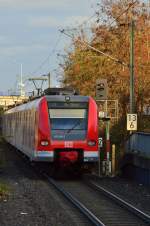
(67, 98)
(44, 143)
(91, 143)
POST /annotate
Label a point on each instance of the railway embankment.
(31, 201)
(4, 188)
(137, 194)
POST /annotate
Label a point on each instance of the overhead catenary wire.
(80, 25)
(130, 5)
(47, 58)
(116, 19)
(96, 50)
(99, 51)
(44, 61)
(84, 22)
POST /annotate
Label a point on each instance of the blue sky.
(29, 33)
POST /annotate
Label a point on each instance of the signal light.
(101, 89)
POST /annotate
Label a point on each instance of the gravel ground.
(136, 194)
(32, 202)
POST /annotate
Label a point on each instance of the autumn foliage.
(112, 36)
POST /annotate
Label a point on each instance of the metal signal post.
(132, 108)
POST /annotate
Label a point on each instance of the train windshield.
(68, 123)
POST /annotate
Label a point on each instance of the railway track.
(98, 205)
(135, 211)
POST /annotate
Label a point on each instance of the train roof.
(26, 106)
(33, 104)
(65, 98)
(64, 94)
(61, 91)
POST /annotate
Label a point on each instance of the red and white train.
(55, 128)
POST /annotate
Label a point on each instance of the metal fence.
(139, 143)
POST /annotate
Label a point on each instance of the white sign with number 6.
(131, 121)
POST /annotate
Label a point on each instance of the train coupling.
(67, 158)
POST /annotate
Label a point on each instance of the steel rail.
(145, 217)
(91, 217)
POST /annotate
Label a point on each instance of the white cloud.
(21, 50)
(44, 21)
(3, 39)
(75, 20)
(48, 21)
(22, 4)
(21, 42)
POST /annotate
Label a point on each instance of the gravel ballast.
(33, 202)
(136, 194)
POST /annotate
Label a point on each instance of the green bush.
(4, 191)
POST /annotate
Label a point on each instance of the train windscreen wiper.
(74, 126)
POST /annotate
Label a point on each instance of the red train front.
(63, 128)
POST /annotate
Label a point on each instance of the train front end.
(72, 133)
